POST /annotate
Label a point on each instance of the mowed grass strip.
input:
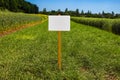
(87, 54)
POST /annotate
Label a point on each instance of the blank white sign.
(59, 23)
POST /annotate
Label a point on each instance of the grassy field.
(87, 54)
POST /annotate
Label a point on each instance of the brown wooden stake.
(59, 50)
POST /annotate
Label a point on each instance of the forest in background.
(81, 13)
(18, 6)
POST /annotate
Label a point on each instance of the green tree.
(2, 4)
(103, 14)
(66, 10)
(59, 11)
(44, 11)
(82, 12)
(113, 14)
(13, 5)
(77, 12)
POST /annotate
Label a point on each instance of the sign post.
(59, 49)
(59, 23)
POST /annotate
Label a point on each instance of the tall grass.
(13, 20)
(111, 25)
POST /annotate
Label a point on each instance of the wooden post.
(59, 50)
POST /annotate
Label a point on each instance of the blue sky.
(93, 5)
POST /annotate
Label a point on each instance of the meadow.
(110, 25)
(88, 53)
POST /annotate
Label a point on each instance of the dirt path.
(3, 33)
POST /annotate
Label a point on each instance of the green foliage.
(81, 13)
(87, 54)
(18, 6)
(116, 27)
(13, 20)
(77, 12)
(111, 25)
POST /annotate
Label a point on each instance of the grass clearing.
(87, 54)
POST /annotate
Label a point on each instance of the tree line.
(18, 6)
(81, 13)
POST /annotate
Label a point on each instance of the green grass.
(87, 54)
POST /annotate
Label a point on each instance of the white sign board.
(59, 23)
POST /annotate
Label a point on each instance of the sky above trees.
(93, 5)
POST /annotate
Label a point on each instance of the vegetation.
(81, 13)
(111, 25)
(87, 54)
(18, 6)
(10, 20)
